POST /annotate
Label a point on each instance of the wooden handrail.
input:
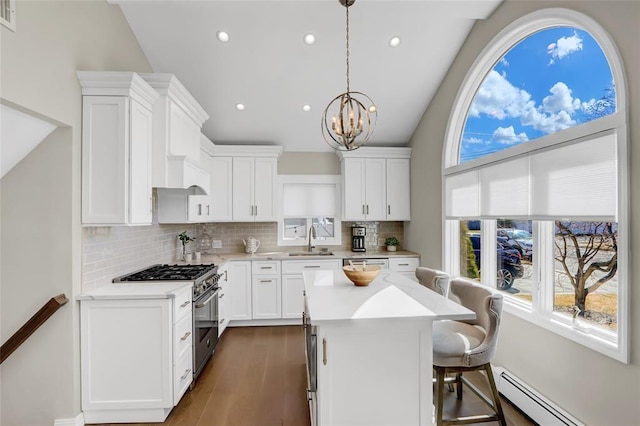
(31, 326)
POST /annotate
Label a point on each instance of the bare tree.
(580, 242)
(604, 106)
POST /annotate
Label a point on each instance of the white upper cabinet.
(398, 189)
(221, 174)
(177, 123)
(116, 148)
(376, 183)
(254, 171)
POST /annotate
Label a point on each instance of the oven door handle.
(203, 304)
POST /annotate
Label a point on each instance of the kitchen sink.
(311, 253)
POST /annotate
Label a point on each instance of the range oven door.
(205, 329)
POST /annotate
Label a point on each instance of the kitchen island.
(369, 349)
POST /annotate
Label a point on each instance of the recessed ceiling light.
(306, 108)
(222, 36)
(309, 39)
(240, 107)
(394, 41)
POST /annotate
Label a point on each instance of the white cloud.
(507, 136)
(564, 47)
(503, 61)
(499, 98)
(473, 140)
(560, 100)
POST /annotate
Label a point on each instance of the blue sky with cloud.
(548, 82)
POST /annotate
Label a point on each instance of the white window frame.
(540, 312)
(11, 22)
(311, 180)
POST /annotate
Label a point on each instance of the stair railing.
(31, 326)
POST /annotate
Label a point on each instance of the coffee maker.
(357, 238)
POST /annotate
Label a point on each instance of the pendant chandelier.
(349, 119)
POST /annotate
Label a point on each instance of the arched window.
(536, 177)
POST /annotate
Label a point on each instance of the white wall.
(40, 197)
(594, 388)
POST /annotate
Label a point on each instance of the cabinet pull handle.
(186, 374)
(266, 281)
(188, 302)
(256, 210)
(363, 209)
(324, 351)
(221, 295)
(187, 334)
(221, 321)
(403, 264)
(208, 210)
(311, 266)
(199, 209)
(225, 275)
(367, 208)
(388, 209)
(266, 267)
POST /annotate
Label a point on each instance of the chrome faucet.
(312, 234)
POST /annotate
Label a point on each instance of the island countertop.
(331, 296)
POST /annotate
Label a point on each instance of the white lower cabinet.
(265, 287)
(353, 386)
(405, 266)
(239, 290)
(136, 357)
(293, 284)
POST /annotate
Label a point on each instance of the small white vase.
(391, 248)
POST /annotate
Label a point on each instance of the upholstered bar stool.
(433, 279)
(462, 346)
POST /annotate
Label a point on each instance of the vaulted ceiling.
(267, 67)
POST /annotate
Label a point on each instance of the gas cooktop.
(169, 273)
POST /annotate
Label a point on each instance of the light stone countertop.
(146, 290)
(221, 258)
(331, 296)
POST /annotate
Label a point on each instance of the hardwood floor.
(257, 378)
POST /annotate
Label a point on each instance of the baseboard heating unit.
(529, 401)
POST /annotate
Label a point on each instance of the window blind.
(577, 181)
(309, 200)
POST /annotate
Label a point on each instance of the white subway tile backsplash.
(109, 252)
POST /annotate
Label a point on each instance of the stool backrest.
(487, 304)
(433, 279)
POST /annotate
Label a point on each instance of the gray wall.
(40, 197)
(596, 389)
(309, 163)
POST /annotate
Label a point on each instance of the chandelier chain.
(347, 7)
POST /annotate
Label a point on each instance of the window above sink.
(309, 201)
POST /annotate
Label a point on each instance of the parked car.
(518, 239)
(509, 262)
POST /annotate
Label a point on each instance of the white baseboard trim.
(76, 421)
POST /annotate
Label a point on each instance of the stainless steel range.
(205, 303)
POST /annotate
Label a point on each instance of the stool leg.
(440, 373)
(459, 385)
(496, 396)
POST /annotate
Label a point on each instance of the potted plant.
(185, 239)
(392, 243)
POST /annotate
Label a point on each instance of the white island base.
(374, 349)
